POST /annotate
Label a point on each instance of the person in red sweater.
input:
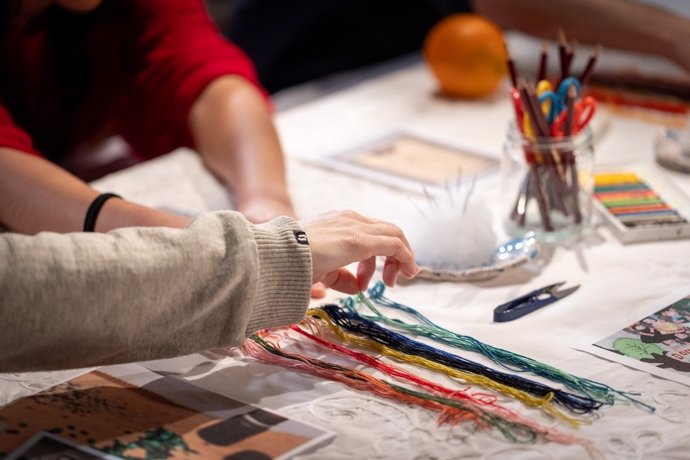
(157, 73)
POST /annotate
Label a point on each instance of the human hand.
(339, 238)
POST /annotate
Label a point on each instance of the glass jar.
(547, 184)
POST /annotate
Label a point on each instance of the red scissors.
(583, 111)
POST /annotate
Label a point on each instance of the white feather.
(454, 231)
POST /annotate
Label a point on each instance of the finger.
(376, 226)
(365, 271)
(318, 291)
(342, 280)
(391, 269)
(382, 228)
(394, 248)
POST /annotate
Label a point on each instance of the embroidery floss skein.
(485, 400)
(545, 403)
(507, 359)
(451, 410)
(481, 399)
(353, 322)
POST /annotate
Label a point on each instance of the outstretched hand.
(339, 238)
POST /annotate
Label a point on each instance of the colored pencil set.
(549, 116)
(632, 201)
(639, 204)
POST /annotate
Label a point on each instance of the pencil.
(543, 60)
(534, 112)
(541, 127)
(568, 130)
(552, 160)
(587, 73)
(511, 67)
(570, 97)
(569, 55)
(562, 52)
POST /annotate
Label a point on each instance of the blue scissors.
(533, 301)
(556, 100)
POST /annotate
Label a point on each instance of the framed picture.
(411, 162)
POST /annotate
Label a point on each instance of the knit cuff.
(285, 274)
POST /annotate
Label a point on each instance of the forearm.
(36, 195)
(81, 300)
(234, 134)
(622, 24)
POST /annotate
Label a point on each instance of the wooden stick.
(571, 95)
(587, 73)
(572, 49)
(543, 60)
(555, 175)
(541, 127)
(511, 67)
(562, 53)
(529, 107)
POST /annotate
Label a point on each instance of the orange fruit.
(466, 54)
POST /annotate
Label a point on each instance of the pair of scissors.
(583, 111)
(546, 102)
(533, 301)
(554, 101)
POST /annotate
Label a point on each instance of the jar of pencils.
(547, 183)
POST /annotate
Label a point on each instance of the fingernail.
(412, 274)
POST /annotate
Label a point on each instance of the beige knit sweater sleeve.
(79, 300)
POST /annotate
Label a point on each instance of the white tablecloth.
(619, 284)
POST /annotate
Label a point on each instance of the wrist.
(259, 209)
(285, 274)
(121, 213)
(272, 191)
(95, 208)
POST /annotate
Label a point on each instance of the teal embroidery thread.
(350, 320)
(507, 359)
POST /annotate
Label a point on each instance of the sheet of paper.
(411, 162)
(658, 343)
(131, 412)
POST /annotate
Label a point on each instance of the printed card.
(134, 413)
(658, 343)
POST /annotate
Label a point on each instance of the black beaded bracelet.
(95, 208)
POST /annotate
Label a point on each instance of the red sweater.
(132, 67)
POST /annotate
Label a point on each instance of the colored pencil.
(587, 73)
(510, 64)
(543, 62)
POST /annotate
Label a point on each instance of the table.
(620, 284)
